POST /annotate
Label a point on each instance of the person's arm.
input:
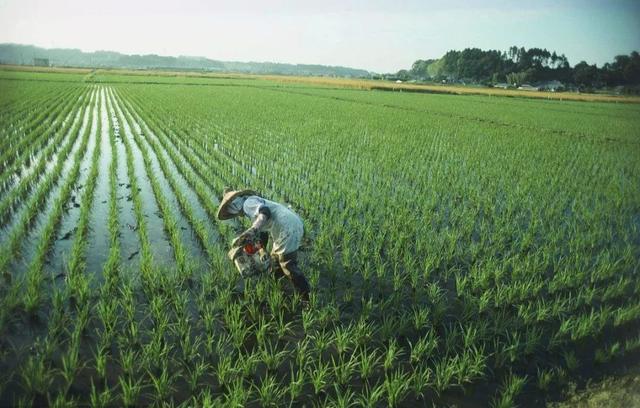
(264, 214)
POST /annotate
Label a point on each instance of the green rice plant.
(363, 332)
(131, 390)
(422, 347)
(444, 373)
(421, 380)
(225, 369)
(396, 386)
(237, 394)
(163, 383)
(511, 387)
(420, 318)
(271, 356)
(545, 378)
(319, 375)
(247, 364)
(343, 368)
(70, 366)
(129, 362)
(283, 327)
(100, 356)
(571, 360)
(344, 398)
(270, 392)
(392, 354)
(36, 377)
(62, 401)
(632, 344)
(369, 361)
(322, 340)
(100, 399)
(371, 396)
(344, 338)
(297, 381)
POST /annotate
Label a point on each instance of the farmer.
(269, 218)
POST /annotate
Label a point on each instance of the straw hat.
(227, 198)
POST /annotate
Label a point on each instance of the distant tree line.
(517, 66)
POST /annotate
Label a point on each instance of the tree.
(585, 74)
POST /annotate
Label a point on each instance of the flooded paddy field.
(464, 251)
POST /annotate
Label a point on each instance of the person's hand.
(247, 237)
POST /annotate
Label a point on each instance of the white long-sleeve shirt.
(284, 226)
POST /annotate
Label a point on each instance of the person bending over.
(269, 220)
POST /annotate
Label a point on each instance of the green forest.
(518, 66)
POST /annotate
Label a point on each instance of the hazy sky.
(377, 35)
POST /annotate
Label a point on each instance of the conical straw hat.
(227, 198)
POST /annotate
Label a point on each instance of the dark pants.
(287, 265)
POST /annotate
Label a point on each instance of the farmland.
(470, 250)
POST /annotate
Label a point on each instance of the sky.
(377, 35)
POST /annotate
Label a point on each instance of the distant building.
(398, 81)
(528, 87)
(553, 86)
(502, 85)
(41, 62)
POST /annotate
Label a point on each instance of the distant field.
(464, 249)
(158, 76)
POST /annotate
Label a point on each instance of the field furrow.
(155, 246)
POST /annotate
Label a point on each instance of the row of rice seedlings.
(37, 370)
(17, 194)
(146, 264)
(188, 169)
(18, 103)
(32, 296)
(169, 221)
(200, 167)
(112, 266)
(77, 282)
(24, 167)
(105, 308)
(18, 120)
(10, 249)
(36, 135)
(38, 112)
(186, 207)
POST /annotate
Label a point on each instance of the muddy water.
(98, 238)
(61, 249)
(158, 240)
(198, 210)
(29, 245)
(129, 240)
(188, 235)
